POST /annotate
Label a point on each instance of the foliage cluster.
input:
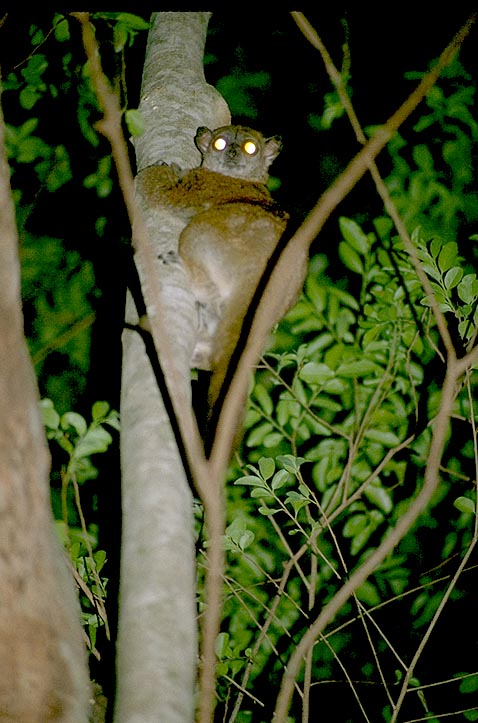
(60, 285)
(338, 435)
(79, 440)
(338, 426)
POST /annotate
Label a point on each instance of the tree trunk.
(157, 637)
(43, 672)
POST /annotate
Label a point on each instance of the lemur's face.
(237, 151)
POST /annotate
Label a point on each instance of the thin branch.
(64, 337)
(288, 567)
(425, 638)
(436, 716)
(348, 678)
(362, 615)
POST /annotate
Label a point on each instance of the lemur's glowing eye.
(250, 148)
(219, 144)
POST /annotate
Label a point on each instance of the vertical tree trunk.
(157, 639)
(43, 672)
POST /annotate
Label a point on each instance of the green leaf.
(99, 410)
(297, 501)
(238, 536)
(268, 511)
(267, 467)
(37, 35)
(250, 481)
(468, 288)
(464, 327)
(354, 235)
(435, 246)
(469, 684)
(34, 69)
(379, 496)
(280, 479)
(359, 368)
(354, 525)
(246, 539)
(291, 463)
(453, 277)
(92, 631)
(264, 399)
(262, 493)
(447, 256)
(258, 434)
(350, 258)
(464, 504)
(100, 559)
(96, 440)
(75, 420)
(28, 97)
(222, 645)
(50, 416)
(236, 89)
(431, 271)
(273, 439)
(423, 157)
(368, 594)
(113, 420)
(388, 439)
(344, 298)
(383, 226)
(31, 149)
(134, 122)
(304, 490)
(362, 537)
(316, 373)
(61, 29)
(134, 22)
(121, 37)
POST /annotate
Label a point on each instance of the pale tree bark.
(157, 637)
(43, 671)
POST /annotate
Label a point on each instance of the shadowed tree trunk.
(43, 672)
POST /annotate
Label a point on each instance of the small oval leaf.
(464, 504)
(75, 420)
(447, 256)
(353, 234)
(350, 257)
(250, 481)
(280, 478)
(316, 373)
(358, 368)
(267, 467)
(453, 277)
